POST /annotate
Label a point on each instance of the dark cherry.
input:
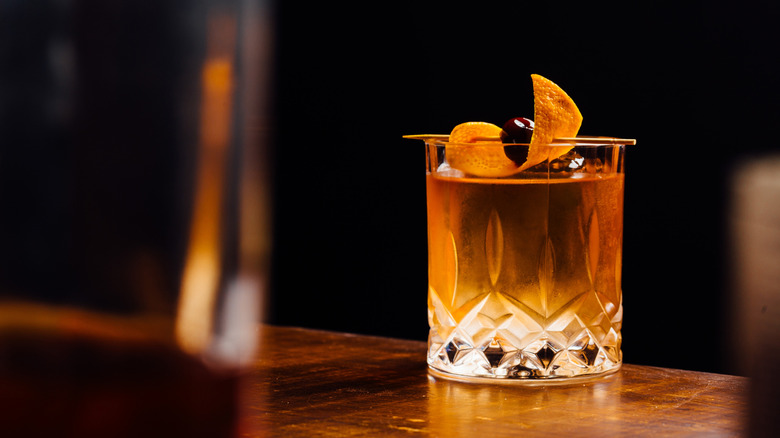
(517, 130)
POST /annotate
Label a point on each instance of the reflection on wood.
(314, 383)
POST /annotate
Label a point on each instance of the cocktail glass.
(525, 270)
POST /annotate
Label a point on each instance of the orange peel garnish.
(555, 116)
(485, 158)
(475, 147)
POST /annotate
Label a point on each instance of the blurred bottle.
(755, 222)
(134, 228)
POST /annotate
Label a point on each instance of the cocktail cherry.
(517, 130)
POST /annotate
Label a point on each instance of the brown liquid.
(71, 378)
(525, 266)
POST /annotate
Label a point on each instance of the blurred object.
(135, 230)
(756, 260)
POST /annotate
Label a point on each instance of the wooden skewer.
(595, 140)
(579, 140)
(425, 136)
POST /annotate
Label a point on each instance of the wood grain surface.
(316, 383)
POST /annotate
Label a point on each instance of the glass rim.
(438, 139)
(527, 145)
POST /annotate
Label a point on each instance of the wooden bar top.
(317, 383)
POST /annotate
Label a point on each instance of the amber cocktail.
(524, 272)
(524, 248)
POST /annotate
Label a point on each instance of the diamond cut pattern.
(568, 347)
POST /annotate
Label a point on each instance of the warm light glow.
(200, 282)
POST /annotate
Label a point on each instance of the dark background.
(695, 84)
(98, 109)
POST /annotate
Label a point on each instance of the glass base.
(544, 359)
(529, 381)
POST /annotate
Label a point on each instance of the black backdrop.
(694, 84)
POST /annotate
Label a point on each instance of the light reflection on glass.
(202, 270)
